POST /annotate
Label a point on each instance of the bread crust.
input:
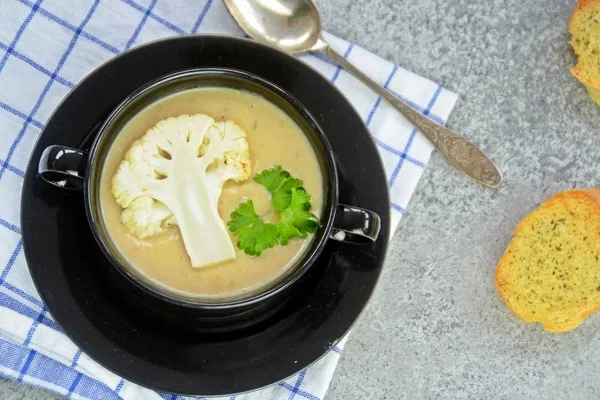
(592, 194)
(593, 87)
(581, 5)
(590, 86)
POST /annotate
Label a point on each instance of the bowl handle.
(355, 225)
(63, 167)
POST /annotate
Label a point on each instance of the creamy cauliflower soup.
(273, 139)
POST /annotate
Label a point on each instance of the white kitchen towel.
(46, 47)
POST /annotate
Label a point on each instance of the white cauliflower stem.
(174, 174)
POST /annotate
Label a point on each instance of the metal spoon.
(295, 26)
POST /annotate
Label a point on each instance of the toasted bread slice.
(584, 27)
(550, 272)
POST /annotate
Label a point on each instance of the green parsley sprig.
(292, 203)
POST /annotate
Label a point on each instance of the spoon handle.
(459, 152)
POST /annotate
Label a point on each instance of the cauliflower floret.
(174, 174)
(147, 217)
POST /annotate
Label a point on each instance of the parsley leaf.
(254, 235)
(271, 178)
(292, 203)
(244, 215)
(280, 184)
(296, 220)
(282, 197)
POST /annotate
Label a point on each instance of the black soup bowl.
(76, 170)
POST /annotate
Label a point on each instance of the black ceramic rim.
(325, 155)
(68, 268)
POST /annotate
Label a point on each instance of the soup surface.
(274, 139)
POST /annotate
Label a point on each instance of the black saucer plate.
(70, 271)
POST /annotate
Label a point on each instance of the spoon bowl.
(291, 25)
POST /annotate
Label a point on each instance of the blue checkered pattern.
(46, 47)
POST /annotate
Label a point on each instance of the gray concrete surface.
(436, 327)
